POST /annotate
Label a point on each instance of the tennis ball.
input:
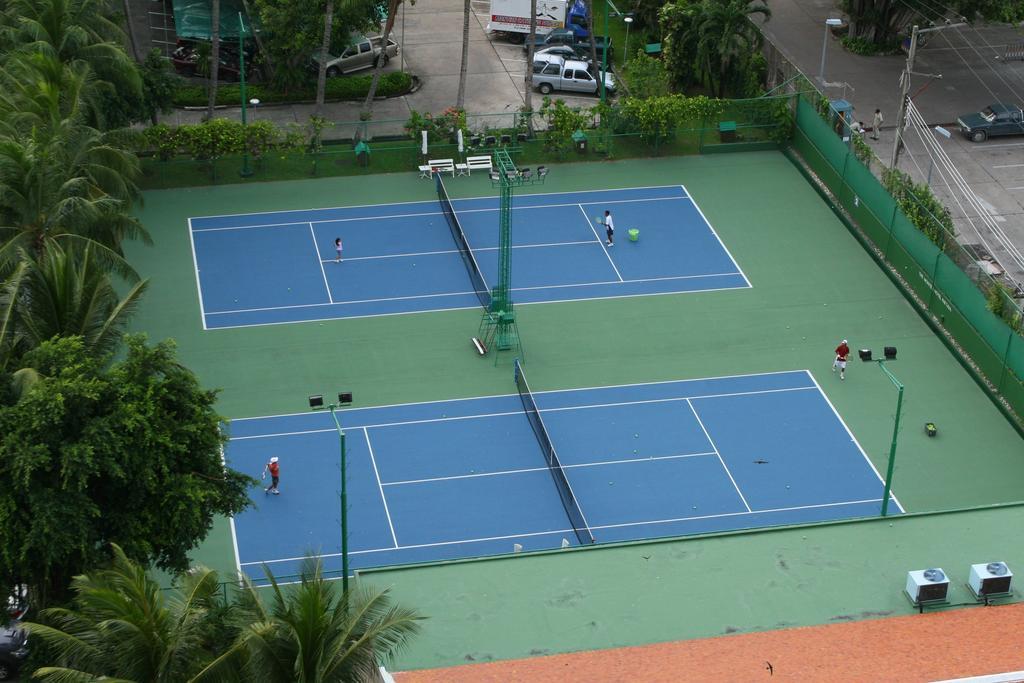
(636, 436)
(611, 483)
(694, 507)
(787, 486)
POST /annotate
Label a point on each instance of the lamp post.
(829, 23)
(317, 403)
(246, 170)
(890, 354)
(629, 22)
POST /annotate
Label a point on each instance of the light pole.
(829, 23)
(317, 403)
(246, 170)
(629, 22)
(890, 354)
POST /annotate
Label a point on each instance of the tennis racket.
(599, 220)
(264, 472)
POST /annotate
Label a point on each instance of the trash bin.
(362, 153)
(579, 139)
(634, 234)
(727, 131)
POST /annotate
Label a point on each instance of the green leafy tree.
(728, 39)
(62, 181)
(81, 32)
(65, 295)
(159, 83)
(314, 633)
(292, 27)
(679, 44)
(647, 77)
(121, 626)
(96, 453)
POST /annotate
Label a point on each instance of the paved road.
(972, 77)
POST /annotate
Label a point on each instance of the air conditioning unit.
(990, 579)
(927, 585)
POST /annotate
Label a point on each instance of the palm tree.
(214, 74)
(67, 294)
(325, 46)
(314, 633)
(460, 100)
(61, 181)
(727, 38)
(122, 626)
(75, 32)
(389, 24)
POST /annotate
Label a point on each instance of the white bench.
(437, 166)
(474, 162)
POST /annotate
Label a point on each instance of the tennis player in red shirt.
(842, 351)
(275, 476)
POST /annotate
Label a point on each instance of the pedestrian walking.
(876, 124)
(842, 352)
(337, 248)
(275, 475)
(609, 228)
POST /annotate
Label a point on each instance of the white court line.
(854, 440)
(427, 213)
(463, 199)
(195, 266)
(477, 306)
(342, 303)
(720, 242)
(455, 418)
(1009, 166)
(720, 459)
(598, 238)
(456, 251)
(380, 486)
(547, 391)
(514, 289)
(1016, 188)
(231, 522)
(603, 526)
(527, 470)
(312, 233)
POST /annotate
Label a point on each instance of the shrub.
(344, 88)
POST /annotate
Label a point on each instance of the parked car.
(13, 650)
(569, 75)
(565, 36)
(363, 53)
(563, 51)
(993, 120)
(186, 58)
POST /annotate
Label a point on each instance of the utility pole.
(901, 115)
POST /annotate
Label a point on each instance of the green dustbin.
(727, 131)
(634, 234)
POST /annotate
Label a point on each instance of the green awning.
(192, 19)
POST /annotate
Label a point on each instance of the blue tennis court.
(468, 478)
(272, 268)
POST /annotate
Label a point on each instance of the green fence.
(947, 280)
(392, 150)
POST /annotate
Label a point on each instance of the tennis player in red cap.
(842, 352)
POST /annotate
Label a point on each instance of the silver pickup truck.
(363, 53)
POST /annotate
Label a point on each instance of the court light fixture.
(316, 402)
(890, 355)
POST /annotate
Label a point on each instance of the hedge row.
(343, 88)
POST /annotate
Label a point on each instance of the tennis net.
(572, 508)
(475, 276)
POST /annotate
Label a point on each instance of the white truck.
(511, 18)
